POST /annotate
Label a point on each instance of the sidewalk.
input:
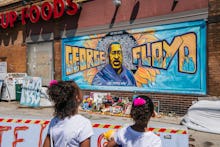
(197, 139)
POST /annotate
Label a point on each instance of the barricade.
(22, 132)
(169, 137)
(32, 132)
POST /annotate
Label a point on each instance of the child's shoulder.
(54, 120)
(152, 135)
(79, 118)
(124, 129)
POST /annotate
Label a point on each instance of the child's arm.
(85, 143)
(47, 141)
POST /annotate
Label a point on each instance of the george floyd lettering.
(158, 55)
(33, 13)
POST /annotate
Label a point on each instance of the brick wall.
(12, 47)
(7, 2)
(213, 49)
(57, 60)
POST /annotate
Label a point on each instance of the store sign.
(33, 13)
(169, 58)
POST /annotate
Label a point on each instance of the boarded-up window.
(40, 61)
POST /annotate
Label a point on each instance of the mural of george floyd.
(168, 59)
(167, 51)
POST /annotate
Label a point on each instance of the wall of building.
(57, 59)
(13, 49)
(168, 103)
(96, 13)
(213, 49)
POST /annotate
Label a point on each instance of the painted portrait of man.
(114, 73)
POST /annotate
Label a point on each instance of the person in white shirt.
(67, 128)
(137, 135)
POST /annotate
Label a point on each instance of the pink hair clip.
(53, 82)
(139, 101)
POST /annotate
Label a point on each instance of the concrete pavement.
(197, 138)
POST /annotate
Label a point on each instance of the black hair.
(63, 94)
(142, 114)
(110, 45)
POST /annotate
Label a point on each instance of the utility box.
(18, 90)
